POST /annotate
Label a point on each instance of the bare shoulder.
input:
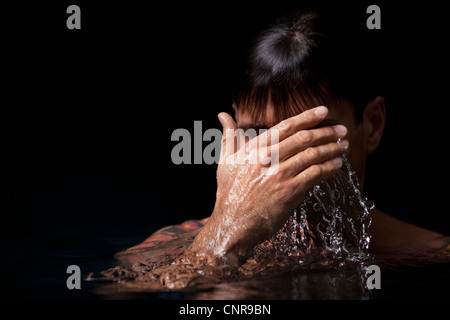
(391, 234)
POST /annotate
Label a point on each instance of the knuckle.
(287, 189)
(283, 174)
(286, 125)
(329, 132)
(312, 153)
(316, 171)
(331, 149)
(304, 136)
(299, 161)
(308, 115)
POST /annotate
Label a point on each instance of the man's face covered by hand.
(338, 115)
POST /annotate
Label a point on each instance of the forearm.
(169, 233)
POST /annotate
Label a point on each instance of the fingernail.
(222, 120)
(344, 144)
(340, 130)
(321, 111)
(337, 161)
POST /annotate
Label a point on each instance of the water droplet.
(369, 204)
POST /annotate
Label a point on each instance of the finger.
(304, 139)
(314, 174)
(286, 128)
(312, 156)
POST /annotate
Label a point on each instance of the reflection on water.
(422, 275)
(344, 283)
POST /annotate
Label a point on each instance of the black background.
(88, 114)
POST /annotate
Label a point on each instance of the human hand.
(252, 203)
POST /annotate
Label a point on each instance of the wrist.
(216, 245)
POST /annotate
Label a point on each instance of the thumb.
(227, 121)
(229, 127)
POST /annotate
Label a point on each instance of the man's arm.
(168, 234)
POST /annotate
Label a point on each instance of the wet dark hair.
(300, 62)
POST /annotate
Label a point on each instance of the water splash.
(333, 220)
(326, 231)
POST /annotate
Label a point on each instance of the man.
(295, 67)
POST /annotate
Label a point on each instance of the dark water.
(35, 268)
(33, 263)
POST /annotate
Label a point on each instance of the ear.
(374, 122)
